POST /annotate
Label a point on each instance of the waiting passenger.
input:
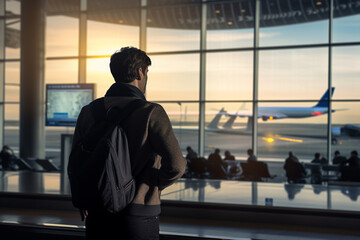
(338, 159)
(295, 171)
(7, 156)
(216, 165)
(252, 157)
(350, 169)
(316, 177)
(228, 156)
(191, 154)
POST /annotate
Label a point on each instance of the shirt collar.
(119, 89)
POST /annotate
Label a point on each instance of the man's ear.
(140, 74)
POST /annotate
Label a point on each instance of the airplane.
(272, 113)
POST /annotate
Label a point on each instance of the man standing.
(155, 155)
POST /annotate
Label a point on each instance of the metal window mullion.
(202, 89)
(255, 76)
(329, 125)
(82, 41)
(2, 69)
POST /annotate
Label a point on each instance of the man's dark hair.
(124, 64)
(354, 153)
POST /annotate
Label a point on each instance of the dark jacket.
(156, 158)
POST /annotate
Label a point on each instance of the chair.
(47, 164)
(255, 171)
(22, 164)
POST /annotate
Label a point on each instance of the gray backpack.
(99, 166)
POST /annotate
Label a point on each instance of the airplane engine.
(264, 118)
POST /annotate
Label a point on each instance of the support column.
(32, 104)
(2, 70)
(329, 125)
(202, 79)
(82, 41)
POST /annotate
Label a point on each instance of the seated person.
(216, 165)
(228, 156)
(338, 158)
(252, 157)
(295, 171)
(316, 177)
(7, 156)
(350, 169)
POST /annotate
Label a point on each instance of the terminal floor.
(67, 225)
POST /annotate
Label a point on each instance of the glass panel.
(174, 77)
(12, 38)
(227, 128)
(293, 22)
(229, 76)
(293, 74)
(12, 93)
(345, 127)
(11, 131)
(62, 36)
(346, 24)
(109, 31)
(346, 72)
(96, 5)
(229, 25)
(13, 7)
(184, 118)
(12, 72)
(61, 71)
(98, 72)
(173, 28)
(297, 127)
(54, 7)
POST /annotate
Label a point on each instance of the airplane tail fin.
(323, 101)
(215, 122)
(230, 122)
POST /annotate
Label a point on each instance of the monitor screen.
(64, 102)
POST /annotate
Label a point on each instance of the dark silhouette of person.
(293, 189)
(350, 169)
(196, 165)
(216, 165)
(191, 154)
(155, 154)
(338, 158)
(228, 156)
(295, 171)
(316, 177)
(7, 158)
(252, 157)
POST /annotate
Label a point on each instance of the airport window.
(293, 22)
(345, 72)
(293, 74)
(234, 31)
(57, 27)
(304, 56)
(229, 75)
(162, 37)
(12, 38)
(61, 71)
(98, 72)
(346, 27)
(178, 74)
(105, 37)
(237, 131)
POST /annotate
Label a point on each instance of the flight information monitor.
(64, 102)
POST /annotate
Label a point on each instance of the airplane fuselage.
(292, 112)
